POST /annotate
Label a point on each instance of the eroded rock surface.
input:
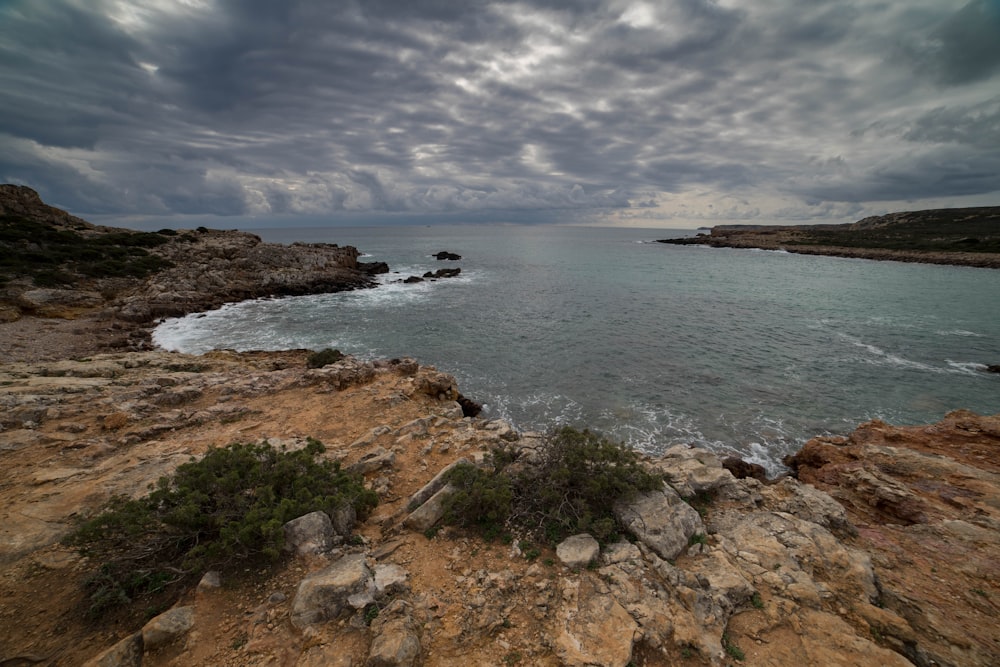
(886, 556)
(925, 503)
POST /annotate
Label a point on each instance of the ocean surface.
(744, 351)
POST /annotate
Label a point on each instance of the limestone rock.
(167, 627)
(621, 552)
(325, 594)
(692, 470)
(808, 503)
(343, 520)
(396, 642)
(428, 514)
(344, 373)
(433, 486)
(126, 653)
(592, 628)
(390, 579)
(372, 461)
(210, 581)
(309, 534)
(661, 521)
(435, 383)
(578, 550)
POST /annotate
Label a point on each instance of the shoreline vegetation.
(960, 236)
(878, 548)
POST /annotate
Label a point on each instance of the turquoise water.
(744, 351)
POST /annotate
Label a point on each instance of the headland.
(959, 236)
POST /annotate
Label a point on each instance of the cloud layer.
(636, 111)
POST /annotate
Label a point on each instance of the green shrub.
(225, 510)
(732, 650)
(572, 488)
(324, 357)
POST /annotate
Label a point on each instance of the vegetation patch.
(940, 230)
(52, 256)
(223, 511)
(324, 357)
(571, 488)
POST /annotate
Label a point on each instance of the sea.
(745, 352)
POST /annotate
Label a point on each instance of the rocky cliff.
(883, 557)
(57, 265)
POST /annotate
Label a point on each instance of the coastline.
(879, 552)
(937, 236)
(761, 242)
(777, 569)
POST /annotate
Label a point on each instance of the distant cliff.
(54, 264)
(962, 236)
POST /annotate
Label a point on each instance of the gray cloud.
(652, 109)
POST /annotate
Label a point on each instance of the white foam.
(882, 358)
(960, 332)
(966, 367)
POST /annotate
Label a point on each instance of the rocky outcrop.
(433, 275)
(216, 267)
(324, 595)
(155, 275)
(925, 503)
(885, 556)
(23, 202)
(959, 236)
(444, 254)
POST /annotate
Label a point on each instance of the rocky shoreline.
(197, 270)
(946, 236)
(880, 549)
(881, 552)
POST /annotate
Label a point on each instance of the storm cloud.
(631, 111)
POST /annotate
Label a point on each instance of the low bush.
(225, 510)
(572, 488)
(324, 357)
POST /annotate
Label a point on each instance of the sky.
(673, 113)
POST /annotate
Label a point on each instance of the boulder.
(372, 461)
(692, 470)
(433, 486)
(390, 579)
(325, 594)
(444, 254)
(661, 521)
(309, 534)
(435, 383)
(428, 514)
(578, 550)
(395, 641)
(741, 469)
(344, 373)
(373, 268)
(167, 627)
(442, 273)
(126, 653)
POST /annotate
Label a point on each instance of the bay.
(744, 351)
